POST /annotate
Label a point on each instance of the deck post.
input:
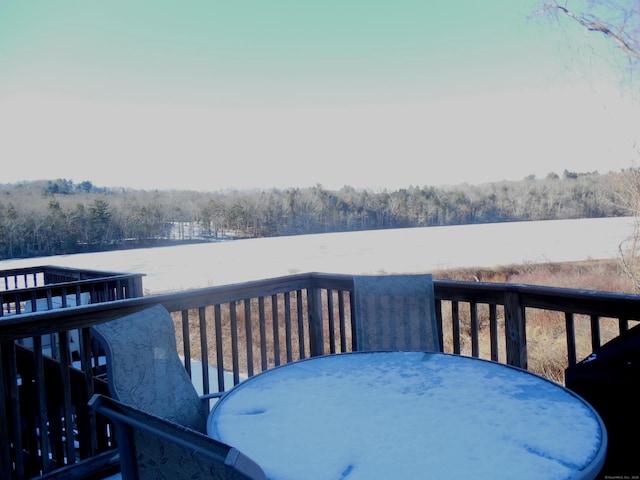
(515, 330)
(316, 327)
(135, 287)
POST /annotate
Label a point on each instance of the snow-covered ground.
(379, 251)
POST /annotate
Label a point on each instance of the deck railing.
(250, 327)
(31, 289)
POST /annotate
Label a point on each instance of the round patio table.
(409, 415)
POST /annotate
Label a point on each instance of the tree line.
(58, 216)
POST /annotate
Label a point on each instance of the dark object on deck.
(609, 379)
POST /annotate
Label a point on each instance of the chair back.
(151, 448)
(395, 312)
(144, 369)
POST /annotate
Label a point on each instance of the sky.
(211, 95)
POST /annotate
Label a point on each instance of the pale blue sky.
(207, 94)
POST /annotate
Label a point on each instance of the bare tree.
(619, 22)
(616, 20)
(629, 249)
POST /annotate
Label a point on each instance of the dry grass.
(604, 275)
(546, 330)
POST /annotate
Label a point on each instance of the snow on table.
(409, 415)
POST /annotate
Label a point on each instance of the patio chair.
(395, 312)
(151, 447)
(145, 371)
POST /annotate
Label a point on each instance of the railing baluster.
(186, 341)
(300, 315)
(66, 391)
(331, 320)
(42, 409)
(341, 316)
(49, 299)
(287, 326)
(249, 336)
(204, 349)
(219, 346)
(63, 297)
(263, 334)
(234, 342)
(623, 325)
(276, 330)
(595, 332)
(34, 302)
(493, 331)
(87, 421)
(571, 338)
(455, 319)
(78, 295)
(475, 342)
(16, 304)
(93, 294)
(439, 323)
(120, 291)
(352, 323)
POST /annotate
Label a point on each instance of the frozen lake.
(379, 251)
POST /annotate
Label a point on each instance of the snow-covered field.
(378, 251)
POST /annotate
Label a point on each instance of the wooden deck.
(250, 327)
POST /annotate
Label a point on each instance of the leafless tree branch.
(622, 34)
